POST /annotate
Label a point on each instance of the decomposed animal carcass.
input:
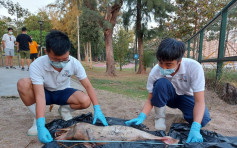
(86, 131)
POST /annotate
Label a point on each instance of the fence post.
(188, 56)
(200, 47)
(221, 49)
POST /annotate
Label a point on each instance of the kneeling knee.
(86, 102)
(162, 82)
(24, 84)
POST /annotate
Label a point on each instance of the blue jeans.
(164, 94)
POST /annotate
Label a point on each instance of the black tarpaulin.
(177, 130)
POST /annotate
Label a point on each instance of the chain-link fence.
(215, 47)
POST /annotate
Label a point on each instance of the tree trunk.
(86, 57)
(120, 65)
(141, 69)
(96, 58)
(78, 41)
(86, 52)
(96, 55)
(110, 65)
(90, 54)
(110, 16)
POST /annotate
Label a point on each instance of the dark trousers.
(164, 94)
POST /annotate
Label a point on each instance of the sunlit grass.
(127, 82)
(228, 76)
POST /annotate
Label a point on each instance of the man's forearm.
(148, 106)
(40, 101)
(90, 90)
(92, 95)
(199, 107)
(40, 108)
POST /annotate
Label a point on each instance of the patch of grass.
(228, 76)
(127, 82)
(135, 89)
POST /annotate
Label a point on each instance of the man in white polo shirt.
(49, 83)
(178, 83)
(8, 41)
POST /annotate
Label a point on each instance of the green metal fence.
(215, 45)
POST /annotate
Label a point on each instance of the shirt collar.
(47, 65)
(182, 69)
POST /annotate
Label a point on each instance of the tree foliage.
(15, 10)
(141, 12)
(3, 27)
(121, 46)
(31, 22)
(36, 36)
(191, 16)
(63, 14)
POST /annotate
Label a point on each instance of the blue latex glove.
(43, 133)
(137, 121)
(194, 134)
(99, 115)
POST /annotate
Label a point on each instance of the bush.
(149, 58)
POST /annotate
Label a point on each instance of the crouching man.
(49, 83)
(176, 82)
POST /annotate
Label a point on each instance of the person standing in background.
(33, 50)
(8, 41)
(22, 41)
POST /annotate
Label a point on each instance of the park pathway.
(9, 78)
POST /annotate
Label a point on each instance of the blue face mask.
(166, 71)
(59, 64)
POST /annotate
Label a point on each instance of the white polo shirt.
(189, 78)
(9, 40)
(42, 73)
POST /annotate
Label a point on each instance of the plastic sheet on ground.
(178, 131)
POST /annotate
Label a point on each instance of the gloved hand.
(194, 134)
(137, 121)
(43, 133)
(99, 115)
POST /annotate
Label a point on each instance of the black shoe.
(22, 68)
(12, 67)
(7, 67)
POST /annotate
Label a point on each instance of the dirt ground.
(16, 119)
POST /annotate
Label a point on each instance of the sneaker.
(22, 68)
(12, 67)
(27, 69)
(7, 67)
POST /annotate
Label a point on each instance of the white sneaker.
(33, 130)
(65, 112)
(160, 124)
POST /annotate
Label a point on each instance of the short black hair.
(170, 49)
(58, 42)
(9, 29)
(23, 29)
